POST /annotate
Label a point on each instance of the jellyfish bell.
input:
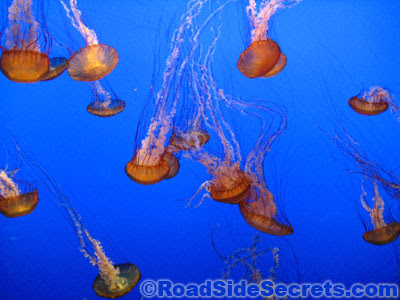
(189, 140)
(57, 66)
(146, 169)
(103, 110)
(259, 58)
(280, 65)
(19, 205)
(173, 164)
(383, 235)
(367, 108)
(229, 185)
(92, 62)
(128, 277)
(259, 215)
(25, 66)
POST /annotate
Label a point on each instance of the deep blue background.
(335, 48)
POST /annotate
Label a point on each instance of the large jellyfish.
(94, 61)
(149, 164)
(104, 103)
(25, 55)
(263, 58)
(383, 231)
(113, 280)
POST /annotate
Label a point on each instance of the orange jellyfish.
(27, 43)
(372, 102)
(57, 66)
(263, 58)
(104, 104)
(113, 280)
(94, 61)
(151, 163)
(14, 203)
(382, 233)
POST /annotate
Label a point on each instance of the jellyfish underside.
(261, 222)
(26, 66)
(129, 276)
(57, 66)
(230, 186)
(147, 173)
(92, 62)
(383, 235)
(98, 108)
(189, 140)
(280, 65)
(259, 58)
(19, 205)
(368, 108)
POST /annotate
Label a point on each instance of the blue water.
(335, 49)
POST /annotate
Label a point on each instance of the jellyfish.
(248, 260)
(149, 164)
(13, 202)
(95, 60)
(104, 104)
(372, 102)
(57, 66)
(113, 280)
(229, 183)
(27, 43)
(263, 58)
(382, 232)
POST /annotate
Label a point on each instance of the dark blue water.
(335, 49)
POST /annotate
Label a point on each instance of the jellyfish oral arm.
(19, 12)
(74, 14)
(376, 213)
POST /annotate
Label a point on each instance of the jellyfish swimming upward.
(263, 58)
(25, 43)
(95, 60)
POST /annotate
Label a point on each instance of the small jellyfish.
(94, 61)
(57, 66)
(189, 140)
(104, 104)
(27, 43)
(372, 102)
(382, 233)
(113, 280)
(13, 203)
(263, 58)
